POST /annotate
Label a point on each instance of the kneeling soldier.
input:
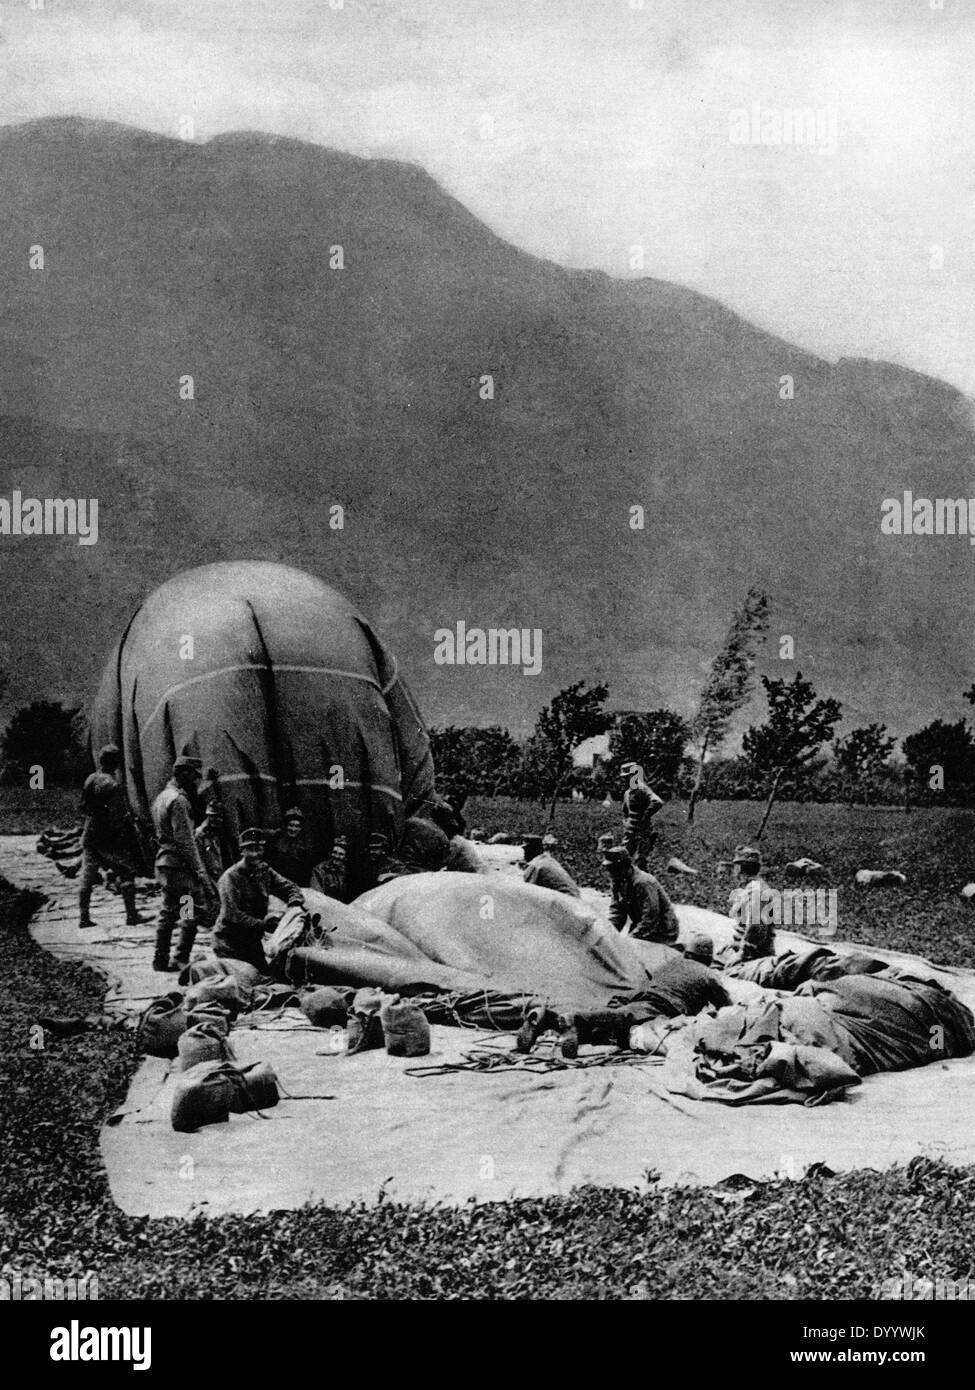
(244, 891)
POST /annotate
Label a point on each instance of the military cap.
(699, 947)
(616, 854)
(744, 854)
(533, 846)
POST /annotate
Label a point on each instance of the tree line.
(794, 753)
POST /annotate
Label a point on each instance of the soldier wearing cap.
(244, 892)
(640, 805)
(640, 906)
(331, 875)
(288, 850)
(210, 837)
(544, 870)
(107, 840)
(383, 865)
(187, 889)
(755, 907)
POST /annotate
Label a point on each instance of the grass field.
(935, 848)
(823, 1236)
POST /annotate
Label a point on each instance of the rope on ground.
(488, 1060)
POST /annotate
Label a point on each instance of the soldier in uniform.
(640, 805)
(330, 876)
(544, 870)
(107, 839)
(187, 888)
(755, 906)
(640, 905)
(244, 892)
(288, 851)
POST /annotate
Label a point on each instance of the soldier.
(329, 877)
(755, 906)
(244, 891)
(107, 841)
(209, 839)
(640, 805)
(288, 851)
(383, 864)
(640, 906)
(187, 888)
(544, 870)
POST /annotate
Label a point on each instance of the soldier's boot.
(603, 1026)
(537, 1019)
(568, 1037)
(187, 935)
(132, 916)
(84, 906)
(160, 960)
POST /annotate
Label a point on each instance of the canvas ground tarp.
(351, 1128)
(274, 679)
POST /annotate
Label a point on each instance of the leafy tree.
(798, 725)
(729, 682)
(656, 740)
(472, 760)
(939, 745)
(575, 714)
(497, 755)
(44, 734)
(864, 754)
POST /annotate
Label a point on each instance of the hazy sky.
(580, 129)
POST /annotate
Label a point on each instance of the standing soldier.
(107, 840)
(640, 805)
(210, 836)
(187, 888)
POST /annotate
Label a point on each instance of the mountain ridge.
(361, 387)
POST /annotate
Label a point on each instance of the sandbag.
(209, 968)
(405, 1028)
(203, 1096)
(204, 1042)
(257, 1088)
(210, 1092)
(210, 1012)
(367, 1000)
(225, 990)
(161, 1026)
(327, 1006)
(214, 967)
